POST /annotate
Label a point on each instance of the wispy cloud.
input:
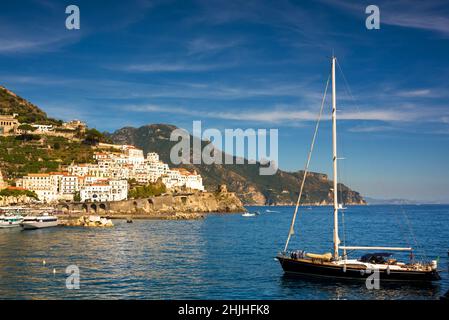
(169, 67)
(286, 115)
(415, 93)
(425, 15)
(368, 129)
(203, 45)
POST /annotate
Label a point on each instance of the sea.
(224, 256)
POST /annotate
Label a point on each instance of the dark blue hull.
(307, 267)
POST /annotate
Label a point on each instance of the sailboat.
(335, 265)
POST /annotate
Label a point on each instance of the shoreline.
(65, 218)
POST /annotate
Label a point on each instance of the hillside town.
(108, 178)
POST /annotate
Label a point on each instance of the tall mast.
(334, 158)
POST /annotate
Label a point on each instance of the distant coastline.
(398, 201)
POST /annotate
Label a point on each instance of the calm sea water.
(220, 257)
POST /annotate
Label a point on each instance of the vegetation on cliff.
(146, 191)
(40, 153)
(19, 157)
(11, 103)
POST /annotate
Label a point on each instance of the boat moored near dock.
(10, 221)
(10, 217)
(38, 222)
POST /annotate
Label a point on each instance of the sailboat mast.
(334, 158)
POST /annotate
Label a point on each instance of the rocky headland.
(167, 206)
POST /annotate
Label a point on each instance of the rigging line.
(344, 233)
(348, 89)
(402, 209)
(402, 229)
(421, 248)
(306, 168)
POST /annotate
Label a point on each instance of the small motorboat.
(248, 214)
(271, 211)
(38, 222)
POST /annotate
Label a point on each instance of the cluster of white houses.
(107, 179)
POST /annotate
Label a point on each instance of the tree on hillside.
(26, 127)
(93, 136)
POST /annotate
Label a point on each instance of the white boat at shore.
(10, 221)
(38, 222)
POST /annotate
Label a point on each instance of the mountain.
(244, 179)
(374, 201)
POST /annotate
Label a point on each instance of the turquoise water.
(220, 257)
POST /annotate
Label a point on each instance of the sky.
(251, 64)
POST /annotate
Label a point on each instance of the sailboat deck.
(360, 265)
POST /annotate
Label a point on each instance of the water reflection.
(341, 289)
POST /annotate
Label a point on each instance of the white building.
(43, 184)
(69, 184)
(180, 177)
(133, 155)
(96, 192)
(42, 128)
(152, 157)
(104, 190)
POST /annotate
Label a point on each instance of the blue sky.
(251, 64)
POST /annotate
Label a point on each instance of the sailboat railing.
(375, 248)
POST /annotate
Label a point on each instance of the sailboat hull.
(323, 269)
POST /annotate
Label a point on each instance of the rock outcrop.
(19, 200)
(88, 221)
(168, 206)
